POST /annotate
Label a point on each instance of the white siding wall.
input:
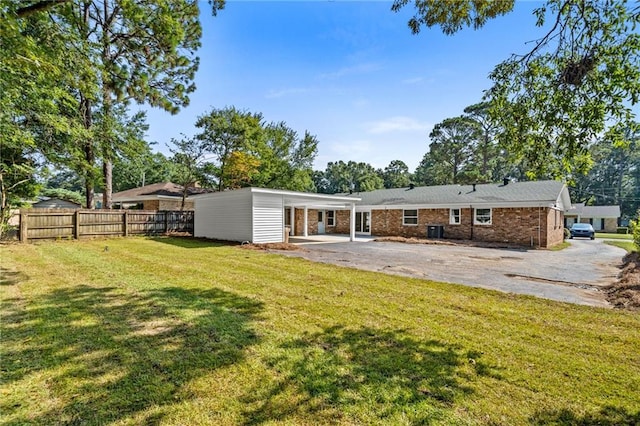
(268, 218)
(224, 216)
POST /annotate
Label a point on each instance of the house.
(524, 213)
(55, 203)
(260, 215)
(603, 218)
(158, 196)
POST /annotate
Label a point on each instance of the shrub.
(622, 230)
(567, 233)
(635, 229)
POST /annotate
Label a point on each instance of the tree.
(191, 164)
(396, 175)
(285, 159)
(226, 131)
(141, 169)
(36, 70)
(580, 80)
(451, 150)
(344, 177)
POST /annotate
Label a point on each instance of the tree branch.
(37, 7)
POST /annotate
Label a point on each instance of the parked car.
(582, 230)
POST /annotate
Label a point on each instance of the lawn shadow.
(9, 277)
(192, 242)
(607, 416)
(364, 375)
(110, 355)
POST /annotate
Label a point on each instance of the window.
(331, 218)
(482, 217)
(410, 217)
(454, 216)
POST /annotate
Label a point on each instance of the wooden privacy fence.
(66, 223)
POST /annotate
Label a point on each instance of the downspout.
(472, 220)
(539, 226)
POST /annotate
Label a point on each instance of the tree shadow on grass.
(9, 277)
(108, 354)
(193, 242)
(607, 416)
(367, 376)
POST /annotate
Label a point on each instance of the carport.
(258, 214)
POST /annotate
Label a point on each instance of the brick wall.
(508, 225)
(312, 222)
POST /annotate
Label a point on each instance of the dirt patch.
(271, 246)
(557, 282)
(465, 243)
(625, 294)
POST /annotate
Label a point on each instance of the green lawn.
(627, 245)
(607, 236)
(181, 332)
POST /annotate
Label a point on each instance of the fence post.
(166, 221)
(24, 217)
(76, 225)
(125, 222)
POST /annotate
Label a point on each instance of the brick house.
(603, 218)
(158, 196)
(523, 213)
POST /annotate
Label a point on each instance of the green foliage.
(248, 152)
(453, 15)
(142, 169)
(635, 228)
(451, 153)
(396, 175)
(190, 164)
(580, 81)
(341, 177)
(63, 194)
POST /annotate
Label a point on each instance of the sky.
(349, 72)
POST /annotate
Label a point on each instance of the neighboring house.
(55, 203)
(603, 218)
(158, 196)
(524, 213)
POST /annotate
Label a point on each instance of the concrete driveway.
(575, 274)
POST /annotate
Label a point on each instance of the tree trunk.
(107, 195)
(89, 155)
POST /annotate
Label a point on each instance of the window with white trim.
(331, 218)
(482, 217)
(454, 216)
(410, 217)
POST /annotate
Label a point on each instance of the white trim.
(404, 217)
(475, 216)
(485, 205)
(333, 218)
(451, 217)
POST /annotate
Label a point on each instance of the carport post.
(305, 233)
(292, 220)
(352, 223)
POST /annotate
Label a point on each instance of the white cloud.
(355, 69)
(397, 124)
(271, 94)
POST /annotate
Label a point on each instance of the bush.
(567, 233)
(622, 230)
(635, 230)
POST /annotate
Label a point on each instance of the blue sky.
(349, 72)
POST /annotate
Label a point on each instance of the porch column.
(352, 223)
(292, 220)
(305, 231)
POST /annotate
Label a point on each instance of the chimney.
(474, 187)
(411, 186)
(505, 181)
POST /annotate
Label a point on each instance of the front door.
(363, 222)
(320, 221)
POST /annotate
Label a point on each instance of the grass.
(629, 246)
(607, 236)
(174, 331)
(563, 245)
